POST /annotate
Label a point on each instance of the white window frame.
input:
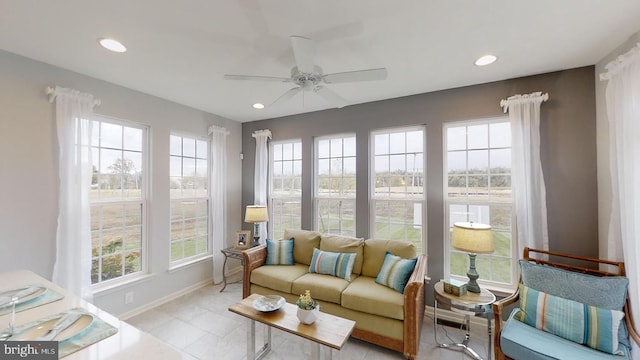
(419, 219)
(275, 216)
(318, 199)
(207, 254)
(143, 201)
(448, 223)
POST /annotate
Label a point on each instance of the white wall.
(29, 176)
(602, 143)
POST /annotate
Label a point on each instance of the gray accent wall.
(568, 142)
(29, 175)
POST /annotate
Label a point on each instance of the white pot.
(308, 316)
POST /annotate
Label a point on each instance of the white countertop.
(128, 343)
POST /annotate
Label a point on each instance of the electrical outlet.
(128, 297)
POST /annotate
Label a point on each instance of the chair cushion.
(344, 244)
(322, 287)
(278, 277)
(364, 294)
(395, 272)
(331, 263)
(279, 252)
(375, 251)
(521, 341)
(584, 324)
(304, 243)
(608, 292)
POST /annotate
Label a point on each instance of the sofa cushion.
(608, 292)
(364, 294)
(584, 324)
(279, 252)
(322, 287)
(344, 244)
(304, 241)
(331, 263)
(521, 341)
(395, 272)
(375, 251)
(278, 277)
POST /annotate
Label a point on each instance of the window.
(286, 182)
(118, 200)
(335, 185)
(189, 178)
(478, 189)
(397, 176)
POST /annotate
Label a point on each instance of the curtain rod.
(51, 91)
(504, 103)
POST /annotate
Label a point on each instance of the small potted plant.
(308, 308)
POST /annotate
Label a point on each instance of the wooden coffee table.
(328, 330)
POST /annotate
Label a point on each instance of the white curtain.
(218, 197)
(623, 113)
(526, 171)
(72, 269)
(261, 176)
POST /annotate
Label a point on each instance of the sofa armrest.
(252, 258)
(414, 308)
(498, 311)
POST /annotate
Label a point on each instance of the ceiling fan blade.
(304, 51)
(287, 95)
(256, 78)
(358, 75)
(330, 96)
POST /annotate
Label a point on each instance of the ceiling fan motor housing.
(307, 81)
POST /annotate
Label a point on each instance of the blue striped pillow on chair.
(280, 252)
(581, 323)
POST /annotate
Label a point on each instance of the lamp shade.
(256, 214)
(472, 237)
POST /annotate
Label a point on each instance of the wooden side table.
(233, 253)
(468, 304)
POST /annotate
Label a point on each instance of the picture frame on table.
(243, 239)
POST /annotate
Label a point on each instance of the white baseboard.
(477, 324)
(139, 310)
(175, 295)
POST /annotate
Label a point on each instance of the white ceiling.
(179, 50)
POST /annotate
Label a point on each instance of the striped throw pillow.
(581, 323)
(332, 263)
(280, 252)
(395, 272)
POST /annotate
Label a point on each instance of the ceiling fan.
(308, 77)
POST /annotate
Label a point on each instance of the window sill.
(101, 290)
(181, 265)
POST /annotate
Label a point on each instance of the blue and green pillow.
(280, 252)
(581, 323)
(395, 272)
(332, 263)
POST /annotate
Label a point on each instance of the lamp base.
(472, 274)
(256, 241)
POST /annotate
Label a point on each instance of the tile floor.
(200, 326)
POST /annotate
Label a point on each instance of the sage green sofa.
(383, 316)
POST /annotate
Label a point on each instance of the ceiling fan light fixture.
(486, 60)
(112, 45)
(258, 106)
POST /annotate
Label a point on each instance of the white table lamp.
(256, 214)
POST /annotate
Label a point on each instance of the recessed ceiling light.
(113, 45)
(486, 60)
(258, 106)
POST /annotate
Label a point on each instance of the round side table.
(467, 304)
